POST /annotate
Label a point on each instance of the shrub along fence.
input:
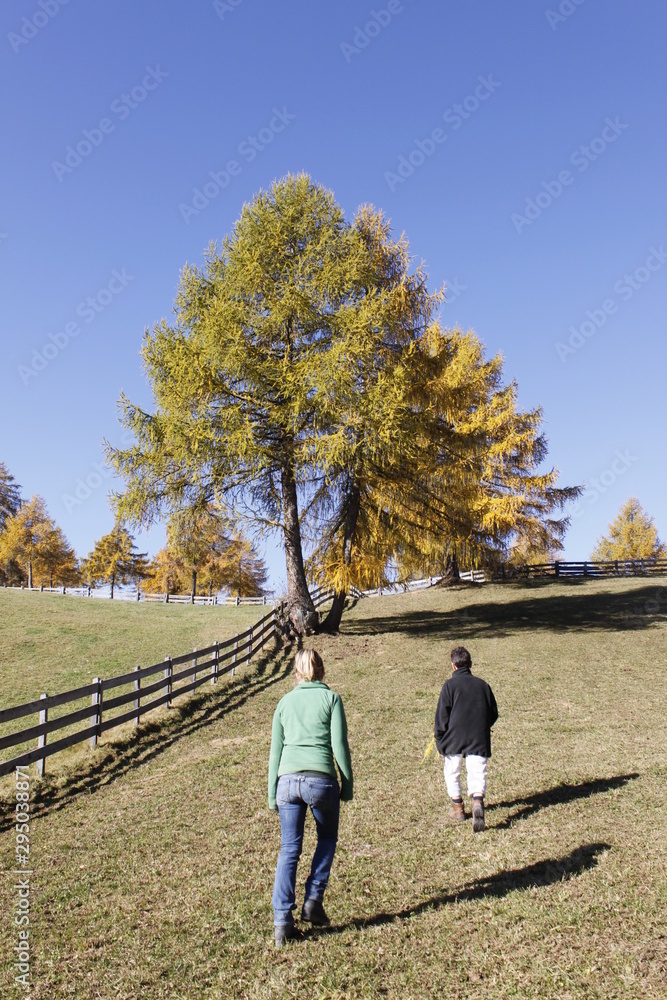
(102, 711)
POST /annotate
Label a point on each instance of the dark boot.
(313, 911)
(457, 812)
(477, 814)
(284, 933)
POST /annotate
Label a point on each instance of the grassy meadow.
(153, 856)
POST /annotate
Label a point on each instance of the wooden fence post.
(236, 646)
(252, 637)
(41, 740)
(557, 568)
(96, 718)
(585, 568)
(214, 667)
(137, 695)
(194, 665)
(167, 677)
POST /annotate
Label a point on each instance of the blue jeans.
(295, 793)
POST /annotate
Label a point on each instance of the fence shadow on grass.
(558, 612)
(151, 739)
(556, 796)
(535, 876)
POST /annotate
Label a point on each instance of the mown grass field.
(153, 858)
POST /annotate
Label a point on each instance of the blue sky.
(521, 147)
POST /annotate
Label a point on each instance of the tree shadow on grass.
(558, 612)
(149, 740)
(556, 796)
(536, 876)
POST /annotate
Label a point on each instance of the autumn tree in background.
(26, 536)
(190, 540)
(225, 560)
(57, 562)
(114, 560)
(239, 568)
(164, 574)
(631, 535)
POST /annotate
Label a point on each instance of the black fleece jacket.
(466, 711)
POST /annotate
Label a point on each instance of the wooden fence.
(136, 594)
(189, 671)
(559, 568)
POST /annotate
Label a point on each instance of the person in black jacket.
(466, 711)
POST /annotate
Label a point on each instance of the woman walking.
(308, 739)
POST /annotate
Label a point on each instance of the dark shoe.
(313, 912)
(477, 815)
(285, 933)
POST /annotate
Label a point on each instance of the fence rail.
(201, 666)
(559, 568)
(136, 594)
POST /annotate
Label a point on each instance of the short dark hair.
(461, 657)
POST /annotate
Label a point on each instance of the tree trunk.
(113, 580)
(51, 580)
(332, 621)
(302, 614)
(451, 574)
(194, 586)
(29, 574)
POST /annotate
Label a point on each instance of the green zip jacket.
(310, 731)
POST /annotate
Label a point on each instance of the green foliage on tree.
(114, 560)
(306, 385)
(631, 535)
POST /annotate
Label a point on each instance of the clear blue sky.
(539, 199)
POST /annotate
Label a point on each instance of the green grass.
(153, 857)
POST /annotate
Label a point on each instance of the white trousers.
(475, 773)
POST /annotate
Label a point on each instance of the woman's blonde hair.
(308, 665)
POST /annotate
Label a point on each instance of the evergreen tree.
(115, 560)
(10, 495)
(631, 535)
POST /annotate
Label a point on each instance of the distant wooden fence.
(218, 659)
(559, 568)
(136, 594)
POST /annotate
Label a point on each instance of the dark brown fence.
(170, 678)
